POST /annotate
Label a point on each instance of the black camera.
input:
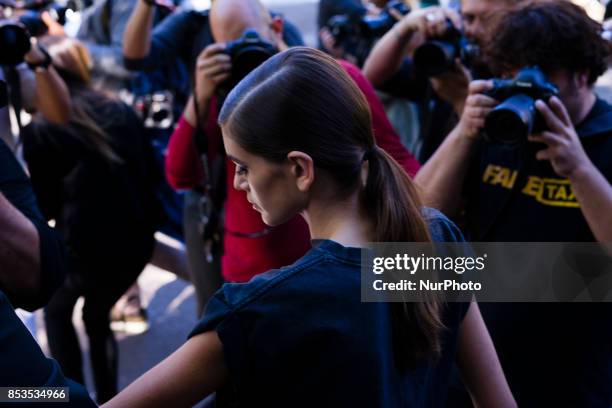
(247, 53)
(438, 56)
(22, 20)
(516, 117)
(156, 110)
(357, 35)
(343, 27)
(14, 42)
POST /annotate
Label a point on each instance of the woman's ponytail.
(392, 201)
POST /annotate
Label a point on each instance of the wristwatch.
(41, 64)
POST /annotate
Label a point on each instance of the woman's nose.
(240, 182)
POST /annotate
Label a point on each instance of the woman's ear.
(302, 170)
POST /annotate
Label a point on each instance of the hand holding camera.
(563, 147)
(452, 85)
(516, 117)
(213, 67)
(431, 21)
(477, 106)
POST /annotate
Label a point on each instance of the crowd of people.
(276, 165)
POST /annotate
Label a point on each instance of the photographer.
(31, 259)
(552, 185)
(250, 246)
(158, 97)
(348, 29)
(182, 37)
(93, 176)
(31, 268)
(38, 89)
(392, 69)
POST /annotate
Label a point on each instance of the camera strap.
(212, 191)
(14, 100)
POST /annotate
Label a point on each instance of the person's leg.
(103, 290)
(170, 255)
(205, 276)
(61, 335)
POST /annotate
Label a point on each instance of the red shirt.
(245, 257)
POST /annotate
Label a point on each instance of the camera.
(357, 36)
(343, 27)
(22, 20)
(246, 53)
(438, 56)
(14, 42)
(516, 117)
(155, 110)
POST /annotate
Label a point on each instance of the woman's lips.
(255, 206)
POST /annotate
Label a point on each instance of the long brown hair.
(72, 61)
(303, 100)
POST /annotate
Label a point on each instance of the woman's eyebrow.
(232, 158)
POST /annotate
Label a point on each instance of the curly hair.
(553, 35)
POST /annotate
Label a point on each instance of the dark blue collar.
(338, 250)
(598, 121)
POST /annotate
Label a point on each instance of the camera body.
(373, 27)
(357, 36)
(15, 31)
(437, 56)
(516, 117)
(155, 110)
(14, 42)
(246, 53)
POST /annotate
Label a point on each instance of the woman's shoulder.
(441, 228)
(267, 287)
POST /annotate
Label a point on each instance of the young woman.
(299, 132)
(92, 176)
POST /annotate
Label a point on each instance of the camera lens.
(434, 57)
(511, 121)
(247, 60)
(14, 42)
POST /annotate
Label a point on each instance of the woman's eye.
(241, 170)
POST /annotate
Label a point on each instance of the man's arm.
(137, 36)
(386, 57)
(441, 178)
(20, 274)
(213, 67)
(51, 96)
(31, 256)
(594, 194)
(568, 159)
(171, 39)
